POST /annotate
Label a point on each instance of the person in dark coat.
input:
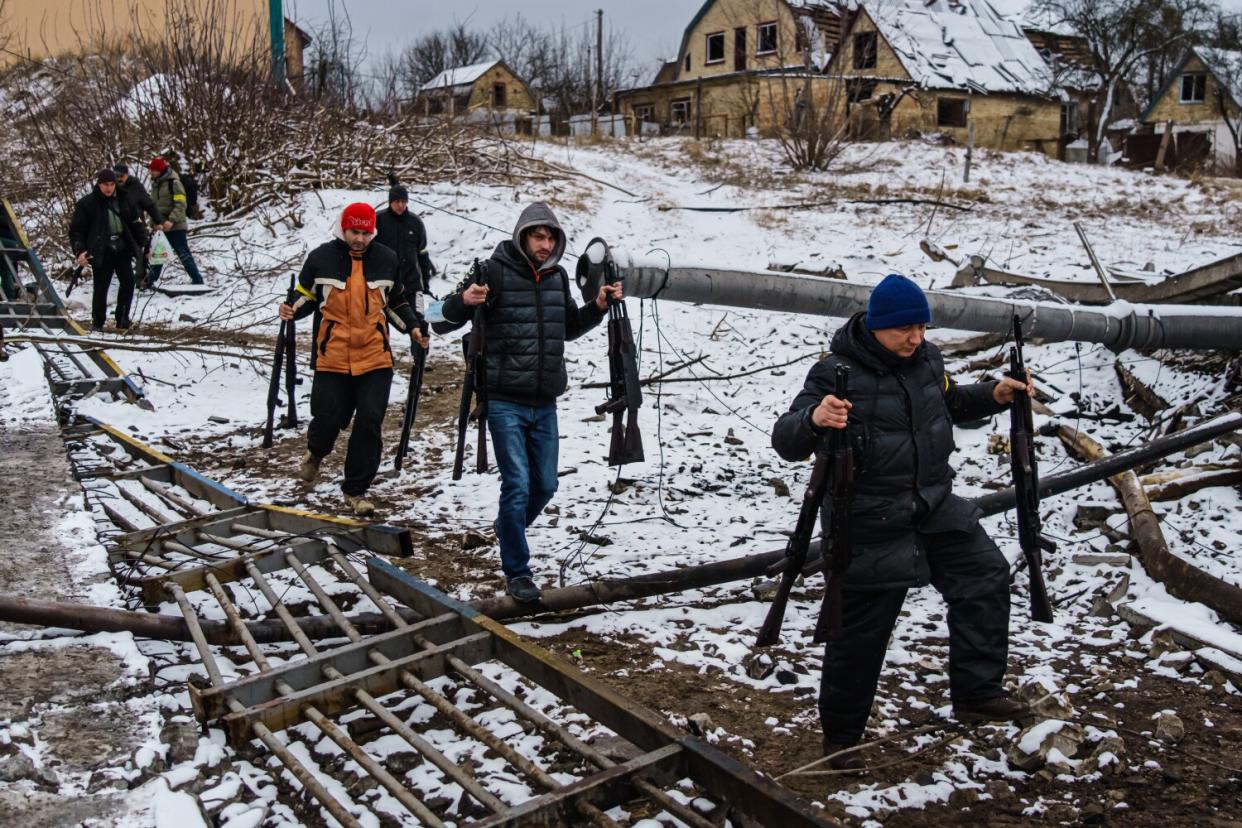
(101, 234)
(530, 316)
(908, 527)
(401, 230)
(352, 287)
(132, 189)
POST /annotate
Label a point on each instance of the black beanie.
(398, 192)
(120, 168)
(105, 176)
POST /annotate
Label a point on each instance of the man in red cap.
(354, 289)
(169, 195)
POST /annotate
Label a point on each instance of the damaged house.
(937, 66)
(741, 66)
(1202, 101)
(894, 67)
(488, 91)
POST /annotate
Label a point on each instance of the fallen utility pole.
(173, 628)
(1117, 327)
(1182, 579)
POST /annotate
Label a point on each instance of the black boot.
(997, 709)
(851, 761)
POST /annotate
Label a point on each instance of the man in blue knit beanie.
(908, 528)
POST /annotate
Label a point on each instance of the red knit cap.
(358, 216)
(157, 165)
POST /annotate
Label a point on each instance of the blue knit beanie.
(895, 302)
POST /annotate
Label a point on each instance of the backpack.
(191, 196)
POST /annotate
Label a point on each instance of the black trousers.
(335, 398)
(102, 268)
(973, 576)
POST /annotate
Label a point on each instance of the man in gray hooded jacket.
(530, 315)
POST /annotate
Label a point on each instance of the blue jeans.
(181, 246)
(526, 442)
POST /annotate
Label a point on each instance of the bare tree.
(334, 61)
(1120, 35)
(436, 51)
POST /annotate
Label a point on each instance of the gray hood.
(533, 216)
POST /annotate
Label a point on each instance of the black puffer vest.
(526, 329)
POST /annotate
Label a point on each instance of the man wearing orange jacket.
(354, 289)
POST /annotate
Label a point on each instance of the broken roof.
(1226, 65)
(961, 44)
(459, 76)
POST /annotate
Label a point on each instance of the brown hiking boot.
(998, 709)
(309, 470)
(361, 506)
(851, 761)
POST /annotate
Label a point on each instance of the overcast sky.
(654, 27)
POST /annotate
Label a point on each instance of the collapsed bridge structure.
(512, 710)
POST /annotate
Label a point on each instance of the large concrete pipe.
(1118, 326)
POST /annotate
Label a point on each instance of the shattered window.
(858, 91)
(715, 47)
(951, 112)
(644, 112)
(767, 39)
(1194, 88)
(679, 111)
(864, 50)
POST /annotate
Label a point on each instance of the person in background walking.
(131, 188)
(398, 228)
(100, 235)
(170, 201)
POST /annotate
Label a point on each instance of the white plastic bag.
(161, 252)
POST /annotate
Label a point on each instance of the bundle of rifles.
(832, 487)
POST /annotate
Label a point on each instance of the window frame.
(857, 58)
(855, 89)
(774, 26)
(1198, 80)
(644, 113)
(708, 60)
(500, 95)
(942, 123)
(674, 104)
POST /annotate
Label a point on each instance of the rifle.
(474, 386)
(839, 545)
(286, 352)
(838, 458)
(625, 394)
(74, 279)
(411, 400)
(1026, 481)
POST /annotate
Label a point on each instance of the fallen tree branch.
(660, 378)
(88, 345)
(811, 205)
(1180, 578)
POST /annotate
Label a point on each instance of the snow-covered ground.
(711, 488)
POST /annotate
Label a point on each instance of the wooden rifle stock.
(1026, 482)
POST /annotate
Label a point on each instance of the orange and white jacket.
(354, 297)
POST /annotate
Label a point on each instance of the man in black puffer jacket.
(399, 229)
(101, 233)
(530, 315)
(908, 529)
